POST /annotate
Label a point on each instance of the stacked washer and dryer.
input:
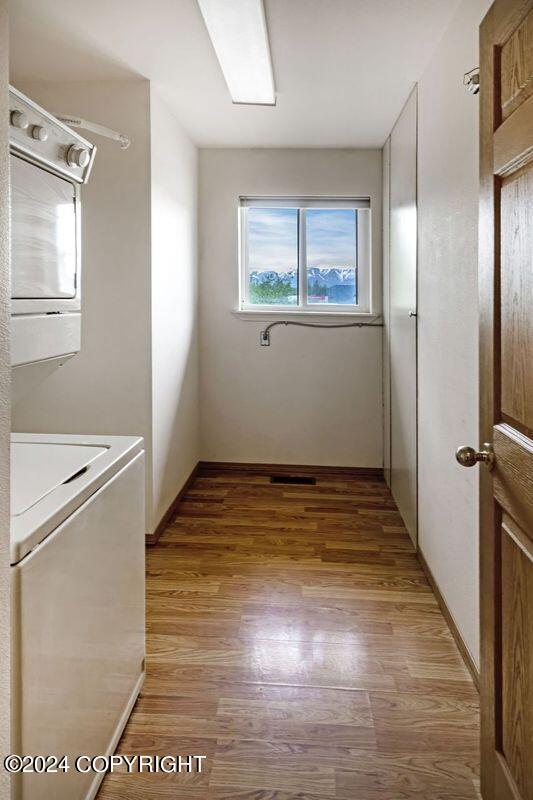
(77, 502)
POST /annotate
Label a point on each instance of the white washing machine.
(77, 553)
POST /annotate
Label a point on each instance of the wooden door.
(402, 314)
(506, 333)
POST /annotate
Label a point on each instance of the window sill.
(249, 315)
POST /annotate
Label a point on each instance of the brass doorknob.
(469, 457)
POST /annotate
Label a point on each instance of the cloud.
(330, 237)
(273, 238)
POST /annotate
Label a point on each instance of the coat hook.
(471, 80)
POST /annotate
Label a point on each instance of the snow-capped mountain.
(267, 276)
(326, 276)
(331, 276)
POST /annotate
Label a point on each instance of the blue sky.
(273, 236)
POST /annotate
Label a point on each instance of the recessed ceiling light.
(239, 35)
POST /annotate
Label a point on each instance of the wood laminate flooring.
(294, 641)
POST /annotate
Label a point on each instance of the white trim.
(302, 260)
(364, 274)
(243, 256)
(364, 259)
(304, 202)
(256, 312)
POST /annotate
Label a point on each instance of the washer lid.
(52, 477)
(39, 468)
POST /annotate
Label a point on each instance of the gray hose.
(319, 325)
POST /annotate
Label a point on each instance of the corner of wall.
(174, 305)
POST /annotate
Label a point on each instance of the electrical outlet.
(264, 338)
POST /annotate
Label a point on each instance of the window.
(305, 255)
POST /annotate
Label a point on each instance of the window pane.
(331, 239)
(273, 256)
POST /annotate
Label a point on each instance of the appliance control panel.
(46, 141)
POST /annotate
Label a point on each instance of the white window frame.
(363, 255)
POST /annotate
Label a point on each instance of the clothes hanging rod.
(94, 127)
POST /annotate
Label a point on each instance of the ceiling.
(343, 68)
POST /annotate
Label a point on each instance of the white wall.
(448, 318)
(137, 372)
(175, 368)
(402, 303)
(386, 315)
(106, 388)
(5, 623)
(312, 397)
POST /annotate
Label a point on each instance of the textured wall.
(174, 281)
(386, 315)
(312, 397)
(448, 318)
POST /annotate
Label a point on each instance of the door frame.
(387, 371)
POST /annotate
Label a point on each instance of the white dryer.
(77, 553)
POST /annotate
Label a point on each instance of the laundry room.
(266, 527)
